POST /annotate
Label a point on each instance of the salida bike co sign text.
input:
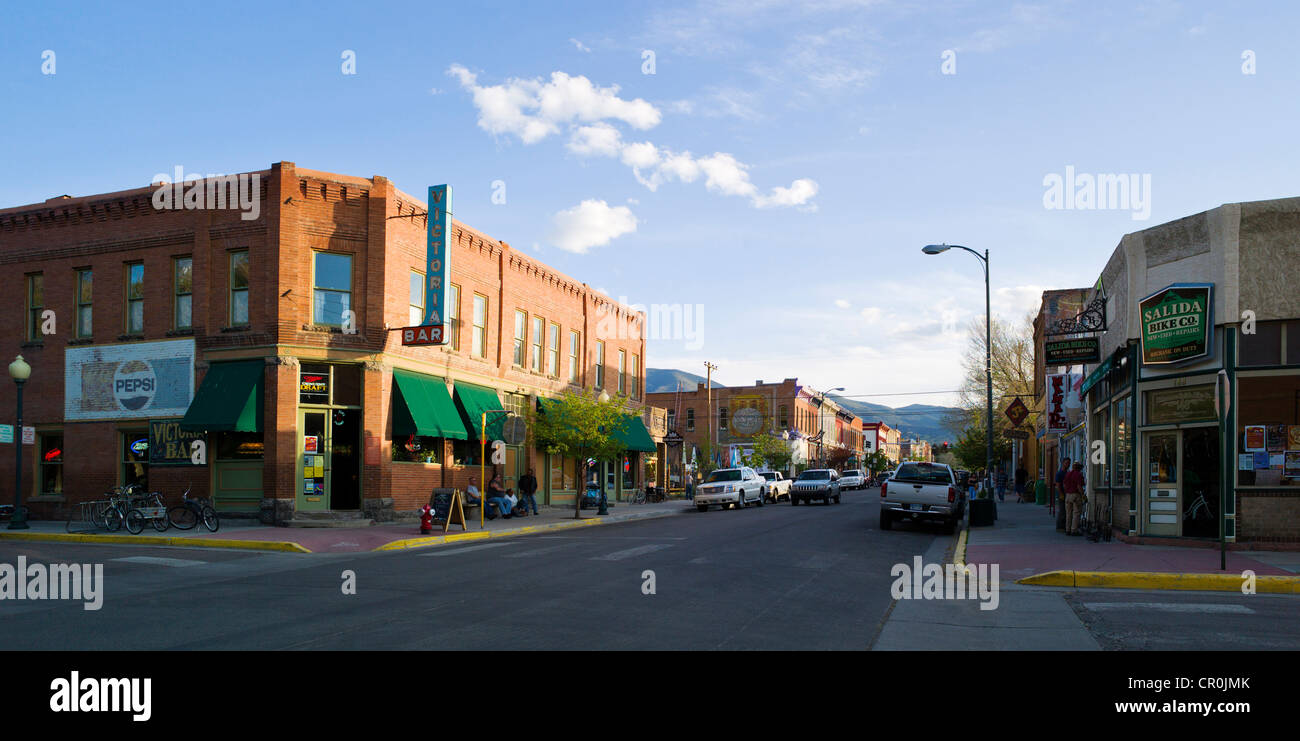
(1177, 323)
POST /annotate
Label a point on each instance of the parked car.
(816, 483)
(920, 491)
(853, 479)
(778, 486)
(737, 487)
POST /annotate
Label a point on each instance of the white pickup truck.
(735, 486)
(778, 486)
(922, 491)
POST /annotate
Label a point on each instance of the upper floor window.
(722, 418)
(690, 420)
(239, 288)
(415, 310)
(183, 293)
(600, 364)
(331, 288)
(478, 343)
(672, 419)
(35, 305)
(635, 372)
(536, 361)
(622, 371)
(521, 341)
(553, 351)
(84, 297)
(135, 298)
(784, 417)
(453, 315)
(574, 341)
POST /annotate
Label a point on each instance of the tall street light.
(821, 424)
(20, 371)
(935, 249)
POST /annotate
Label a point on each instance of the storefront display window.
(417, 449)
(239, 445)
(465, 452)
(51, 463)
(135, 458)
(1100, 434)
(1268, 430)
(1122, 450)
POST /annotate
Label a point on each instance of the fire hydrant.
(426, 520)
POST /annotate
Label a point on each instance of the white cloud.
(580, 46)
(535, 109)
(592, 223)
(841, 303)
(799, 193)
(871, 314)
(599, 138)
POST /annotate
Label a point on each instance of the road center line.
(630, 552)
(466, 549)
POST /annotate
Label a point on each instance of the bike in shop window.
(417, 449)
(51, 464)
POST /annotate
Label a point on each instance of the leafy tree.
(1013, 376)
(580, 426)
(877, 461)
(837, 458)
(970, 450)
(771, 451)
(705, 464)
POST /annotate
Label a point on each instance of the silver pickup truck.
(921, 491)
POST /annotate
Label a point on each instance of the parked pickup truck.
(921, 491)
(778, 486)
(735, 486)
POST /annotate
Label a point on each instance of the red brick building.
(268, 340)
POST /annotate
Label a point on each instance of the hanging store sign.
(1073, 352)
(1062, 396)
(437, 272)
(1017, 411)
(1177, 323)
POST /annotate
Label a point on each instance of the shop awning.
(634, 435)
(473, 402)
(229, 399)
(422, 406)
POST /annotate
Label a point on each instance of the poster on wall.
(1254, 438)
(1291, 466)
(1177, 323)
(140, 379)
(1275, 435)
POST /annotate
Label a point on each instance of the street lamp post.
(935, 249)
(20, 371)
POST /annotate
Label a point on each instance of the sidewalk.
(251, 535)
(1025, 543)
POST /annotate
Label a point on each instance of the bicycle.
(113, 516)
(1199, 510)
(146, 508)
(188, 514)
(639, 497)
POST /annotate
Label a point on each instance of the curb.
(282, 546)
(1152, 580)
(959, 554)
(432, 540)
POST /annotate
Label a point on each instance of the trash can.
(1040, 493)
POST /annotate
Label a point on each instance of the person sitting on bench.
(496, 500)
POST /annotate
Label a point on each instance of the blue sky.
(805, 151)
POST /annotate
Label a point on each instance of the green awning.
(1101, 370)
(422, 406)
(473, 402)
(229, 399)
(634, 435)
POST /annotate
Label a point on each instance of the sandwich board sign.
(437, 272)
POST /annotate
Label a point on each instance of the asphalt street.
(775, 577)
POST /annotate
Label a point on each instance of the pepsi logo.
(134, 384)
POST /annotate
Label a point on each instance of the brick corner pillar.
(279, 436)
(377, 455)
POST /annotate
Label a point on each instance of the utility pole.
(708, 391)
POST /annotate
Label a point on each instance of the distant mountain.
(658, 380)
(920, 421)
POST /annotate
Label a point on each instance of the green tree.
(580, 426)
(705, 464)
(970, 450)
(771, 451)
(877, 461)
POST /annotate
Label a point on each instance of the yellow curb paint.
(1164, 581)
(248, 545)
(398, 545)
(959, 554)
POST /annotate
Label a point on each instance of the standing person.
(690, 485)
(1022, 477)
(1073, 499)
(1002, 484)
(1058, 495)
(528, 490)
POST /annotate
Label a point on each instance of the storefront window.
(466, 452)
(135, 458)
(1100, 433)
(239, 446)
(1268, 431)
(628, 463)
(417, 449)
(1123, 442)
(1263, 346)
(51, 463)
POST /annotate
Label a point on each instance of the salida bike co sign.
(1177, 323)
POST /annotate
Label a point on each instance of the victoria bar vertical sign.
(437, 272)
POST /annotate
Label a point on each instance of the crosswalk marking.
(1170, 607)
(158, 561)
(467, 549)
(630, 552)
(540, 551)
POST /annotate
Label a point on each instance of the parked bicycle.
(146, 508)
(113, 515)
(190, 512)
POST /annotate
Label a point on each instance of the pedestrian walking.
(1058, 496)
(1073, 483)
(528, 491)
(1002, 484)
(1022, 478)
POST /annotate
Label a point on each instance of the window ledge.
(237, 328)
(33, 343)
(82, 341)
(186, 332)
(323, 329)
(128, 337)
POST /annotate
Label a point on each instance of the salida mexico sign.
(1177, 322)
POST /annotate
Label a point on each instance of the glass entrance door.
(1163, 463)
(314, 446)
